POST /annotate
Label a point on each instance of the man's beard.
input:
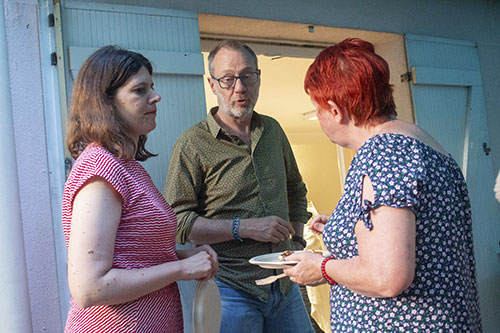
(236, 111)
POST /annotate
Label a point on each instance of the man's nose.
(239, 85)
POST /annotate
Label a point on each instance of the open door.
(448, 102)
(170, 40)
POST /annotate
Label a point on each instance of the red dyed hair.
(355, 78)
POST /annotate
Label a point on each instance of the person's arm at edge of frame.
(385, 265)
(92, 279)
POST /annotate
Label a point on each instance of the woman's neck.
(360, 134)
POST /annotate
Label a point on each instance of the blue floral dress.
(443, 296)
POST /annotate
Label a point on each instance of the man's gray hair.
(231, 44)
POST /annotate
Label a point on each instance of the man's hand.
(266, 229)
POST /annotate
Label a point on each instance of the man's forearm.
(207, 231)
(298, 236)
(298, 227)
(262, 229)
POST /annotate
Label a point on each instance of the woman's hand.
(308, 270)
(318, 223)
(200, 263)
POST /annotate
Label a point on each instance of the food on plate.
(285, 254)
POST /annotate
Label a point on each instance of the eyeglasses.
(229, 81)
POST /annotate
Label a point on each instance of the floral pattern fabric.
(405, 172)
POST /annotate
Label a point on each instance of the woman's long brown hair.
(93, 116)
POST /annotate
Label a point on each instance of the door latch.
(486, 149)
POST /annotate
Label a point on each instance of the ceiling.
(285, 51)
(281, 33)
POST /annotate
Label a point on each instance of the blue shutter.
(169, 39)
(448, 102)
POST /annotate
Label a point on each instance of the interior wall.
(282, 96)
(281, 86)
(393, 52)
(318, 164)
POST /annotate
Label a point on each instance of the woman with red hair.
(400, 237)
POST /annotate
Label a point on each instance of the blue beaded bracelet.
(235, 230)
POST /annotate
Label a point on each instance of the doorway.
(285, 51)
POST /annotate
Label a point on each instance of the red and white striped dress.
(145, 237)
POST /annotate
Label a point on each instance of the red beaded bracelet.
(323, 271)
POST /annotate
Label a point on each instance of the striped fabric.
(145, 237)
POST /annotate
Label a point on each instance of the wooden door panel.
(448, 101)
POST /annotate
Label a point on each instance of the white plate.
(207, 309)
(272, 261)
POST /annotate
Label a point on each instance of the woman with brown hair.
(400, 237)
(120, 232)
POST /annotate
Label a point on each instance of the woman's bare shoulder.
(418, 133)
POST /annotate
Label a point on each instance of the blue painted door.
(448, 102)
(170, 39)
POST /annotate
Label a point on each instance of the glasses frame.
(236, 78)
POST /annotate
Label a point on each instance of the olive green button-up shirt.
(217, 176)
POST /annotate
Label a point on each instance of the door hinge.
(68, 163)
(53, 58)
(51, 20)
(409, 76)
(406, 77)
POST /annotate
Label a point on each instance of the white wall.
(29, 129)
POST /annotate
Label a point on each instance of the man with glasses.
(234, 183)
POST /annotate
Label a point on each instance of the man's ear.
(212, 84)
